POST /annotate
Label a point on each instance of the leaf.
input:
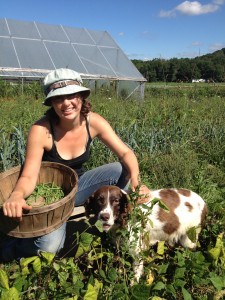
(191, 233)
(163, 206)
(48, 257)
(171, 289)
(163, 268)
(102, 273)
(63, 276)
(112, 274)
(80, 251)
(160, 247)
(218, 282)
(95, 255)
(180, 259)
(218, 249)
(96, 242)
(86, 239)
(159, 286)
(11, 294)
(56, 266)
(140, 292)
(91, 293)
(180, 273)
(19, 282)
(4, 281)
(37, 265)
(84, 244)
(214, 253)
(98, 285)
(219, 241)
(24, 262)
(179, 282)
(154, 201)
(186, 294)
(25, 271)
(52, 286)
(99, 225)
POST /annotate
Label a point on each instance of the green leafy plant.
(45, 193)
(178, 137)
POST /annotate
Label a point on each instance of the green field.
(178, 135)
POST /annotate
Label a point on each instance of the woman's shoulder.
(41, 125)
(98, 124)
(44, 121)
(95, 118)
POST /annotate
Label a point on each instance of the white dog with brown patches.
(186, 210)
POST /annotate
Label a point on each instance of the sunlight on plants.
(178, 136)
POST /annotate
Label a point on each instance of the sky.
(143, 29)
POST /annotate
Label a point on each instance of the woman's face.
(67, 106)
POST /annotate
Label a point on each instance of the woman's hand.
(134, 183)
(14, 206)
(144, 194)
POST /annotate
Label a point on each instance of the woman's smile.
(68, 110)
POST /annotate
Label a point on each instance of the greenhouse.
(29, 50)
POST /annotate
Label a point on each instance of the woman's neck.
(69, 125)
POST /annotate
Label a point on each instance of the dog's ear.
(89, 206)
(121, 216)
(123, 191)
(125, 205)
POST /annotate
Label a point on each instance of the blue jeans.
(90, 181)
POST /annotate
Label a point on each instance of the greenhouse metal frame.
(30, 50)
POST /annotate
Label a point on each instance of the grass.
(178, 137)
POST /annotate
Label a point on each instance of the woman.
(64, 135)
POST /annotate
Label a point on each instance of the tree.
(209, 66)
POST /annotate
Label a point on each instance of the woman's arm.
(102, 129)
(25, 185)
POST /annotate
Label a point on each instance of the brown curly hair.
(85, 109)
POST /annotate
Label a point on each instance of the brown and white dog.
(186, 209)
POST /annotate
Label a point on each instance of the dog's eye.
(100, 200)
(115, 200)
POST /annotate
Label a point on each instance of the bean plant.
(178, 135)
(48, 191)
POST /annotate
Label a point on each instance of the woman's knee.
(51, 242)
(51, 248)
(110, 174)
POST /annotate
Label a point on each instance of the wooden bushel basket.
(41, 220)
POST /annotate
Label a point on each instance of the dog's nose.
(105, 216)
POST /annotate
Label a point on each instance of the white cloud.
(219, 2)
(121, 33)
(167, 14)
(192, 8)
(216, 46)
(196, 44)
(195, 8)
(187, 54)
(135, 55)
(145, 34)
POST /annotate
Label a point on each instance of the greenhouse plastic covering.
(31, 49)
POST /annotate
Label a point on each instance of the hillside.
(210, 67)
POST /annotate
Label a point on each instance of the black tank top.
(74, 163)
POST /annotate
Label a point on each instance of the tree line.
(209, 67)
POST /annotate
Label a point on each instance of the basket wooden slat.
(40, 220)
